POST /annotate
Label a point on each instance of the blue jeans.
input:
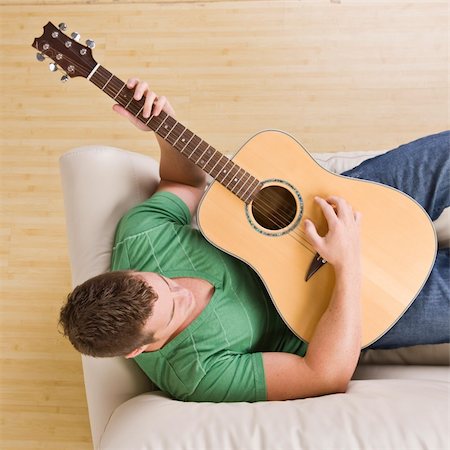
(421, 169)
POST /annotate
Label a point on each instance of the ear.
(135, 352)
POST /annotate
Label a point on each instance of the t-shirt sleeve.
(160, 211)
(161, 208)
(231, 378)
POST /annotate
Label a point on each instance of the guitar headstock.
(66, 52)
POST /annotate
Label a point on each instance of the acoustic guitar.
(255, 206)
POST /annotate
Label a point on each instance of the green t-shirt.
(218, 356)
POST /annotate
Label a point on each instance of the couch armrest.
(99, 185)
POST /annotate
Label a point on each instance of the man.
(201, 324)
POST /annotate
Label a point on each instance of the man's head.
(105, 316)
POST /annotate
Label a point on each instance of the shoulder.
(224, 377)
(189, 195)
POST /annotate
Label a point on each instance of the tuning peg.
(90, 43)
(40, 57)
(65, 78)
(62, 26)
(52, 67)
(75, 36)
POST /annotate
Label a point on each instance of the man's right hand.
(341, 245)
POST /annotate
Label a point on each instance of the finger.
(159, 105)
(327, 210)
(132, 82)
(311, 234)
(343, 209)
(148, 105)
(140, 90)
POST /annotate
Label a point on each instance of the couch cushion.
(438, 354)
(380, 414)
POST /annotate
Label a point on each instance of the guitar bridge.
(316, 264)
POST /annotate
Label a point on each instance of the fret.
(167, 135)
(154, 122)
(167, 121)
(201, 150)
(248, 186)
(161, 124)
(235, 178)
(131, 99)
(221, 156)
(239, 181)
(249, 196)
(179, 130)
(124, 97)
(103, 88)
(179, 136)
(245, 186)
(212, 155)
(193, 134)
(224, 172)
(212, 161)
(124, 84)
(201, 156)
(201, 162)
(233, 175)
(142, 107)
(195, 148)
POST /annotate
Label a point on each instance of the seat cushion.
(406, 411)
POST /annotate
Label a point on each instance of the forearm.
(177, 168)
(335, 346)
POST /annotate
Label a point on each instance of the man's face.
(171, 309)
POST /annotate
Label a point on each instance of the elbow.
(335, 384)
(341, 386)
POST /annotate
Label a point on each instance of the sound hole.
(274, 207)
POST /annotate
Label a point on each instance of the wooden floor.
(338, 75)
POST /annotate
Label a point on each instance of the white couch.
(396, 400)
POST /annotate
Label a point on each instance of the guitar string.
(86, 73)
(283, 217)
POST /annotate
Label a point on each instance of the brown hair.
(105, 315)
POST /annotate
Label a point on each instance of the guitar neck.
(222, 169)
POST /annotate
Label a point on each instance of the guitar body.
(398, 241)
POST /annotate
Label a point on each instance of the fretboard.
(203, 155)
